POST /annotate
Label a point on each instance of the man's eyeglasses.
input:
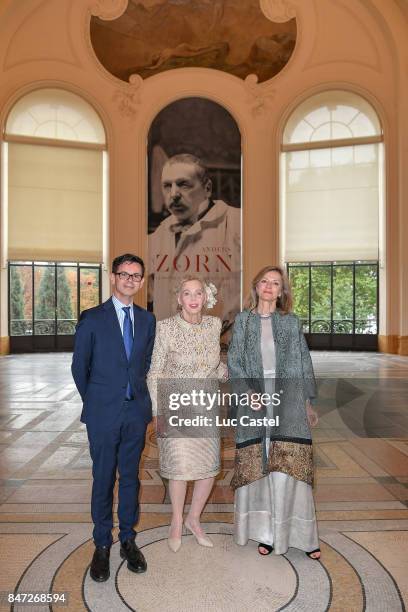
(136, 278)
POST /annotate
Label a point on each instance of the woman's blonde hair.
(183, 281)
(283, 303)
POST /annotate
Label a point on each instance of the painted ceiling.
(157, 35)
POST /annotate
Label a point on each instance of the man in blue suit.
(113, 348)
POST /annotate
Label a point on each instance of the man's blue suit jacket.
(101, 369)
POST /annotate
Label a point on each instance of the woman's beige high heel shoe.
(174, 544)
(202, 540)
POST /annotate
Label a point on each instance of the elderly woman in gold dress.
(187, 346)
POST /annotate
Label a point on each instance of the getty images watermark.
(207, 401)
(366, 407)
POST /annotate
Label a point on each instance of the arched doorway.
(201, 142)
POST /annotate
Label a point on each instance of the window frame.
(55, 340)
(334, 340)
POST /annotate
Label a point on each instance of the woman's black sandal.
(267, 547)
(309, 554)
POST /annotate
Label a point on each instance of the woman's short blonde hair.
(283, 303)
(186, 279)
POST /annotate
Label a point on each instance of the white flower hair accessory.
(211, 291)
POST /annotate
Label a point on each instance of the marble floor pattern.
(361, 492)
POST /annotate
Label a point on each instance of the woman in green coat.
(271, 370)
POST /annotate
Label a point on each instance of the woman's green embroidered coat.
(290, 449)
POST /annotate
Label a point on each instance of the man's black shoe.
(135, 559)
(100, 564)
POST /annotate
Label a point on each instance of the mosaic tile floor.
(361, 453)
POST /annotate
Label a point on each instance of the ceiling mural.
(157, 35)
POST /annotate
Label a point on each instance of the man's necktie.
(128, 340)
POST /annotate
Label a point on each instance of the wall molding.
(258, 96)
(108, 10)
(359, 19)
(128, 99)
(278, 10)
(31, 13)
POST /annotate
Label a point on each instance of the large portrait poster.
(194, 204)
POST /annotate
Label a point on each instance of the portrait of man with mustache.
(200, 236)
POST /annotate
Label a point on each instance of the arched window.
(55, 168)
(56, 114)
(55, 164)
(330, 209)
(331, 116)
